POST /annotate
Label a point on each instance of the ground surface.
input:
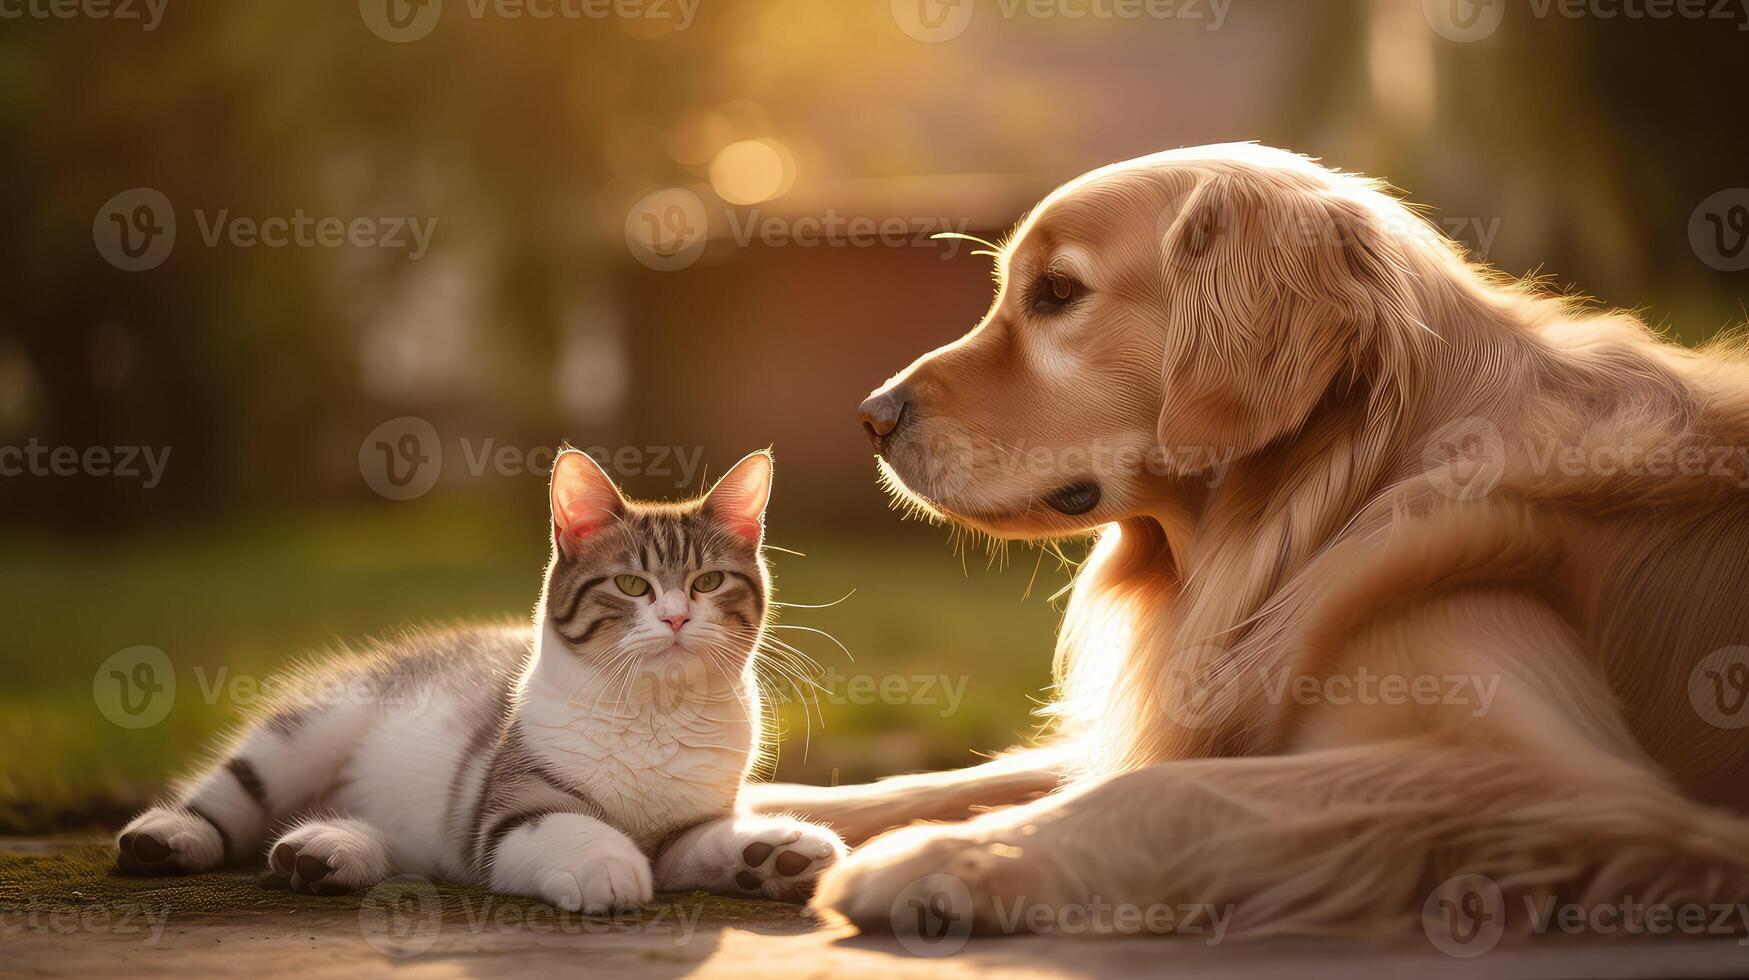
(63, 913)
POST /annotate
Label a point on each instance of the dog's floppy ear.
(1275, 290)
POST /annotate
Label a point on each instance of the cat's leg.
(331, 856)
(572, 861)
(222, 815)
(772, 857)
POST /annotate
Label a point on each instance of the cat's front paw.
(330, 857)
(613, 883)
(165, 841)
(782, 859)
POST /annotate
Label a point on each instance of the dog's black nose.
(881, 412)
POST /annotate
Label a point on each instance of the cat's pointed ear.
(738, 500)
(584, 499)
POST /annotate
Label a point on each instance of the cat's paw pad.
(784, 865)
(330, 858)
(608, 885)
(163, 841)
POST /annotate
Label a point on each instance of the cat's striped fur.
(585, 759)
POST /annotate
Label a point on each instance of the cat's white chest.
(651, 764)
(649, 779)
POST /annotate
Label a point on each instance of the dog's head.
(1155, 321)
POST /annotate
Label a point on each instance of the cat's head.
(631, 581)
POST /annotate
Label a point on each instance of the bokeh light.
(752, 171)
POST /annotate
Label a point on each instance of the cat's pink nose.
(676, 621)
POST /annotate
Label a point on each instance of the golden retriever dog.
(1406, 575)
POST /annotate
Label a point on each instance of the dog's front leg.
(1341, 840)
(858, 812)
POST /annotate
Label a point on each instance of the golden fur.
(1329, 447)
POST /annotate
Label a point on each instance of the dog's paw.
(330, 857)
(929, 878)
(166, 841)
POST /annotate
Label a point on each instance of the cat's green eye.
(708, 582)
(632, 584)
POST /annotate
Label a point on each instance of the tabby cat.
(587, 760)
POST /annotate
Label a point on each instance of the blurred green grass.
(241, 600)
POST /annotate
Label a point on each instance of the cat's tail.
(274, 767)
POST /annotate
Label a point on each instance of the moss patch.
(81, 877)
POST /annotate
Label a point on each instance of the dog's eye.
(1055, 291)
